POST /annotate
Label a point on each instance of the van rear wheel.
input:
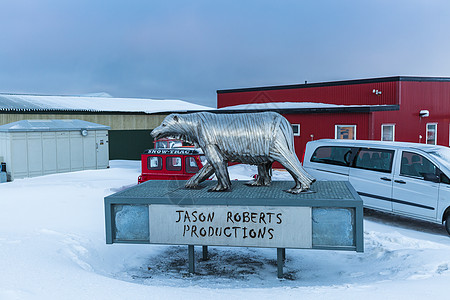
(447, 223)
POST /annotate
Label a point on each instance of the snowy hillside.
(52, 246)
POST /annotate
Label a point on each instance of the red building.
(407, 109)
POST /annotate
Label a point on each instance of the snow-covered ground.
(52, 246)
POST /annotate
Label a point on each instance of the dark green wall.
(129, 144)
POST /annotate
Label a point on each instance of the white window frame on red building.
(449, 136)
(298, 131)
(393, 132)
(337, 127)
(427, 136)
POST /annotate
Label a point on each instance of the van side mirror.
(431, 177)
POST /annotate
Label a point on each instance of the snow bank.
(52, 246)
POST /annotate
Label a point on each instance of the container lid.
(51, 125)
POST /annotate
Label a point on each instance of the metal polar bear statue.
(248, 138)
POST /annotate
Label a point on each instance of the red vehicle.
(170, 164)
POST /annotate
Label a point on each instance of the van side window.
(154, 163)
(191, 165)
(416, 165)
(173, 163)
(332, 155)
(444, 178)
(374, 159)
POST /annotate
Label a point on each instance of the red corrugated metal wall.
(414, 97)
(353, 94)
(309, 125)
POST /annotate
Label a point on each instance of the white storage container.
(38, 147)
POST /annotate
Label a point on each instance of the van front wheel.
(447, 223)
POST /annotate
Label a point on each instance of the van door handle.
(400, 181)
(385, 179)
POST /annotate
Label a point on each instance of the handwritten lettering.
(186, 216)
(253, 217)
(230, 232)
(279, 218)
(232, 224)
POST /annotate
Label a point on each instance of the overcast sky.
(188, 49)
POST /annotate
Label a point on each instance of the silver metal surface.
(249, 138)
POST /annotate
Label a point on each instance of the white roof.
(10, 102)
(51, 125)
(288, 105)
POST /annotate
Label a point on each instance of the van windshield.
(442, 155)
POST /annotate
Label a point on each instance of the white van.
(407, 179)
